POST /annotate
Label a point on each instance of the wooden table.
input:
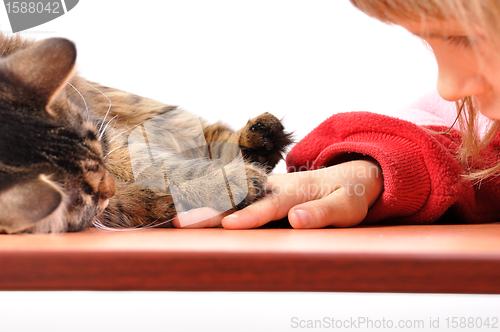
(417, 259)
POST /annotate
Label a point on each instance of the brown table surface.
(418, 259)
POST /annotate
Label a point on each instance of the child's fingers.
(284, 195)
(256, 215)
(287, 190)
(198, 218)
(339, 210)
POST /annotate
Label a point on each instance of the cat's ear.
(24, 203)
(41, 70)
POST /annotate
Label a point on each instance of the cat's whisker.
(107, 112)
(123, 132)
(110, 152)
(88, 112)
(152, 225)
(98, 224)
(106, 126)
(109, 163)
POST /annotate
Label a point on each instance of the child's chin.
(488, 107)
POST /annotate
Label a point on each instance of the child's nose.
(456, 82)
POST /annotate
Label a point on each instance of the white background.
(232, 60)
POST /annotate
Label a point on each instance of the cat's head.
(52, 174)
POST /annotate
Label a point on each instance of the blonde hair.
(478, 14)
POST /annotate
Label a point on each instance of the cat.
(67, 158)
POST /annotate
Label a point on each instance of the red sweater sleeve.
(422, 177)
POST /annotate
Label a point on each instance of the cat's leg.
(188, 184)
(165, 167)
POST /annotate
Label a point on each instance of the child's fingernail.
(185, 218)
(303, 217)
(231, 218)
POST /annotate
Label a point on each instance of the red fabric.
(422, 177)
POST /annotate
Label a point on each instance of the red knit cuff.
(406, 180)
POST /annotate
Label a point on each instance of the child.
(361, 168)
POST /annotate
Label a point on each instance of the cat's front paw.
(264, 140)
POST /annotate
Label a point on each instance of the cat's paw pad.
(264, 140)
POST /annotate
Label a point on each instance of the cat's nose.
(107, 186)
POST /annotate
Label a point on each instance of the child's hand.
(338, 196)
